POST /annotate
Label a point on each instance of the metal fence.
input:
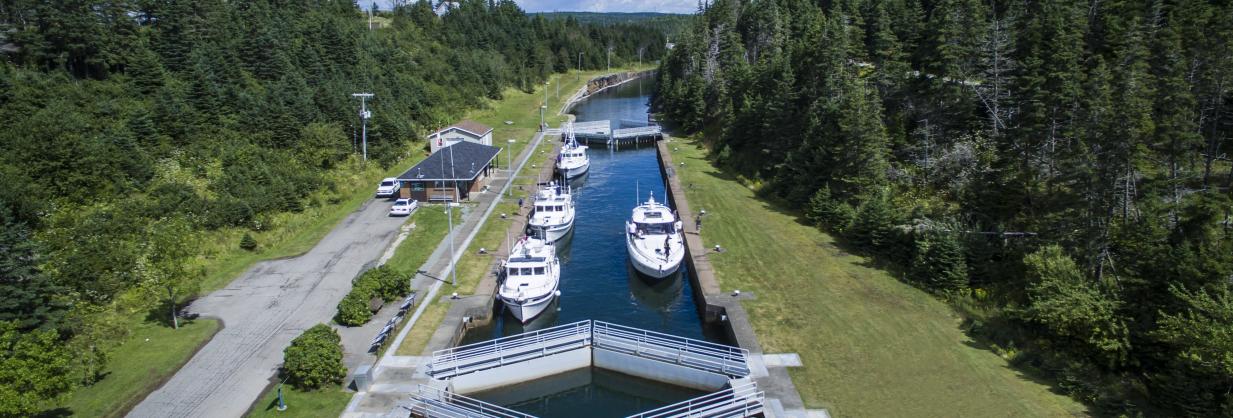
(433, 402)
(501, 351)
(740, 401)
(688, 352)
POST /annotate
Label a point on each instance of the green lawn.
(871, 345)
(139, 365)
(323, 403)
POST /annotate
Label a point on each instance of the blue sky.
(664, 6)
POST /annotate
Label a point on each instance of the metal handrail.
(724, 359)
(497, 352)
(434, 402)
(687, 352)
(740, 401)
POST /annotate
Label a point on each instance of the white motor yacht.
(532, 274)
(572, 161)
(653, 238)
(552, 213)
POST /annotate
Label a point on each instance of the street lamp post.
(509, 190)
(449, 213)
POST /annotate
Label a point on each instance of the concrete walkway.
(263, 311)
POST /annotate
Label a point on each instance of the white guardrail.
(687, 352)
(741, 401)
(433, 402)
(498, 352)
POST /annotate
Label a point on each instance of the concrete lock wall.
(521, 372)
(658, 370)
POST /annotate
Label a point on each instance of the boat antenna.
(637, 192)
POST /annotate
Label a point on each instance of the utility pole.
(449, 213)
(609, 57)
(509, 152)
(364, 116)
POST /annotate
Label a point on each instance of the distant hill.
(668, 23)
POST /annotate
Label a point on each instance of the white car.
(404, 207)
(388, 187)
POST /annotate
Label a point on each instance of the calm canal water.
(597, 281)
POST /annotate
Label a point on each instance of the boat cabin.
(657, 220)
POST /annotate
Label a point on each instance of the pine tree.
(938, 262)
(873, 227)
(1176, 134)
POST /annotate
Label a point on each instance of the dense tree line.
(132, 126)
(671, 25)
(1059, 170)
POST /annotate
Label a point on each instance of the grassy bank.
(139, 365)
(324, 403)
(871, 345)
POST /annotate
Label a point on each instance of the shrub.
(248, 242)
(386, 283)
(315, 358)
(938, 263)
(353, 309)
(829, 213)
(873, 227)
(381, 282)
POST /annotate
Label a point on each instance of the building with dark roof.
(450, 175)
(463, 131)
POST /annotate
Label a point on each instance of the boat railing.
(697, 354)
(429, 401)
(743, 400)
(501, 351)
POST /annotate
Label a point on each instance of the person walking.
(698, 223)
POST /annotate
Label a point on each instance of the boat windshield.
(554, 208)
(525, 271)
(658, 228)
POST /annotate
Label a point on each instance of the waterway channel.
(597, 281)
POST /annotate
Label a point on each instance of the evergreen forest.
(131, 128)
(1059, 171)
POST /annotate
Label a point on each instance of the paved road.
(262, 312)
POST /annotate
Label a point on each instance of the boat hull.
(652, 268)
(552, 233)
(527, 310)
(572, 172)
